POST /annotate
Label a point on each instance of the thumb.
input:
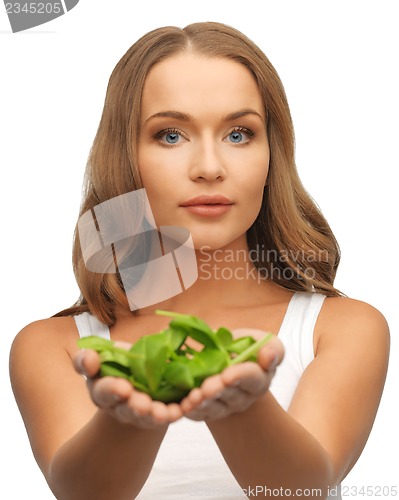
(271, 354)
(87, 362)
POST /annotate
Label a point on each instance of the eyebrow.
(186, 117)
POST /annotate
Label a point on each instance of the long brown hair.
(290, 226)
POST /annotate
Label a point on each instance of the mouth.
(208, 206)
(207, 200)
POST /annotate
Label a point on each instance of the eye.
(169, 137)
(240, 135)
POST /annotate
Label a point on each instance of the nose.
(207, 164)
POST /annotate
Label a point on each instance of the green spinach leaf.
(164, 365)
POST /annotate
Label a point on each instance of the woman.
(199, 119)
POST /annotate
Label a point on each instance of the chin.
(210, 243)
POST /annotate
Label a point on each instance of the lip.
(208, 206)
(216, 199)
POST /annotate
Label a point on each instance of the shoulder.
(41, 368)
(351, 312)
(338, 395)
(51, 334)
(56, 328)
(41, 352)
(346, 320)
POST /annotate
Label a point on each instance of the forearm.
(105, 459)
(265, 446)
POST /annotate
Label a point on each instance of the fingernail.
(80, 363)
(117, 398)
(273, 362)
(203, 405)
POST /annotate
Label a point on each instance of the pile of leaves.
(164, 366)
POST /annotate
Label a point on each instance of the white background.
(339, 63)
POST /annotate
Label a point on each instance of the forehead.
(194, 83)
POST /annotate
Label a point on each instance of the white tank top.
(189, 463)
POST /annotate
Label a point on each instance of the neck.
(228, 270)
(226, 278)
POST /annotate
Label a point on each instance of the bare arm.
(317, 442)
(85, 452)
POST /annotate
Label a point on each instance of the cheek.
(252, 188)
(152, 175)
(158, 168)
(254, 198)
(158, 174)
(147, 165)
(253, 180)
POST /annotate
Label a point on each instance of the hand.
(120, 399)
(237, 387)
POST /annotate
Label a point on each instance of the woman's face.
(203, 150)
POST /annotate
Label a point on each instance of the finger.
(175, 412)
(165, 413)
(141, 403)
(247, 377)
(126, 414)
(209, 410)
(233, 375)
(237, 400)
(146, 413)
(87, 362)
(110, 391)
(233, 396)
(271, 355)
(159, 412)
(212, 387)
(192, 400)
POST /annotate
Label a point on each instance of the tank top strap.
(299, 322)
(87, 325)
